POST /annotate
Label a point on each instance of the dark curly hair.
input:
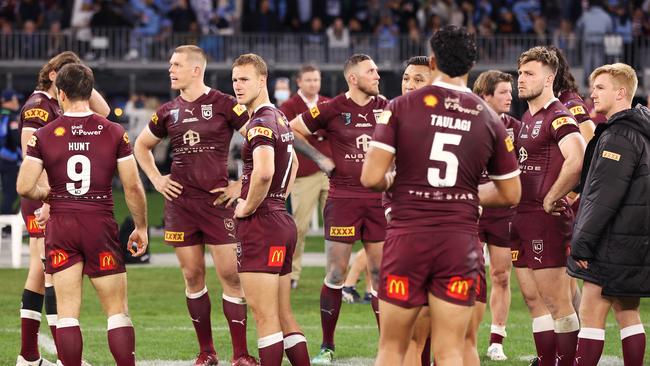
(455, 50)
(564, 80)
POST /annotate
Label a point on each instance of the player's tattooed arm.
(302, 146)
(229, 194)
(27, 184)
(98, 104)
(572, 147)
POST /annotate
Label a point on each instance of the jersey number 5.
(438, 153)
(77, 175)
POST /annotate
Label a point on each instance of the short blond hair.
(541, 54)
(195, 52)
(622, 74)
(252, 59)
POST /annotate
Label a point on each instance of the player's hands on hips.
(229, 194)
(42, 215)
(167, 187)
(241, 211)
(138, 242)
(326, 165)
(554, 208)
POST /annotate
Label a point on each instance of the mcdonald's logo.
(276, 256)
(106, 261)
(174, 236)
(58, 257)
(32, 225)
(515, 255)
(397, 287)
(459, 288)
(478, 286)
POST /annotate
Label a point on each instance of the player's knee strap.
(50, 300)
(119, 321)
(32, 303)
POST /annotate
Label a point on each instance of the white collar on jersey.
(347, 95)
(442, 84)
(43, 92)
(78, 114)
(263, 105)
(553, 99)
(207, 90)
(309, 103)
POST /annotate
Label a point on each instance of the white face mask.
(281, 95)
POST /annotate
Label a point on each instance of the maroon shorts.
(27, 208)
(196, 221)
(268, 240)
(444, 264)
(495, 231)
(541, 240)
(481, 284)
(347, 220)
(83, 237)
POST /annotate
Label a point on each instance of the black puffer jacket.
(612, 229)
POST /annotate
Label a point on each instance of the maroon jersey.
(443, 137)
(200, 133)
(293, 107)
(349, 128)
(80, 152)
(575, 105)
(540, 158)
(269, 127)
(39, 109)
(513, 126)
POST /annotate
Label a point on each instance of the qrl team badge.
(377, 113)
(206, 111)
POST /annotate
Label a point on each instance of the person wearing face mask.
(282, 91)
(310, 189)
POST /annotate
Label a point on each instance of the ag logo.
(538, 246)
(191, 138)
(206, 111)
(363, 142)
(523, 154)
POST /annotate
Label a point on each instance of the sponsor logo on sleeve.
(276, 256)
(32, 225)
(342, 231)
(39, 113)
(59, 131)
(125, 137)
(397, 287)
(430, 101)
(385, 117)
(174, 236)
(32, 141)
(459, 288)
(259, 131)
(314, 111)
(58, 257)
(561, 121)
(611, 155)
(239, 109)
(509, 144)
(107, 261)
(577, 110)
(154, 118)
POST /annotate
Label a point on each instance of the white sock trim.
(118, 321)
(543, 323)
(332, 286)
(373, 292)
(270, 340)
(30, 314)
(49, 284)
(595, 334)
(234, 300)
(294, 339)
(67, 323)
(567, 324)
(499, 329)
(632, 330)
(51, 319)
(196, 295)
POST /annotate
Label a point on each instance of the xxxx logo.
(174, 236)
(342, 231)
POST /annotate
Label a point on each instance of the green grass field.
(164, 330)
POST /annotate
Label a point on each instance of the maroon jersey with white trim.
(540, 158)
(269, 128)
(200, 134)
(39, 109)
(443, 138)
(80, 152)
(349, 129)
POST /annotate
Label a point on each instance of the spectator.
(226, 17)
(10, 154)
(29, 41)
(338, 35)
(30, 10)
(565, 39)
(149, 25)
(433, 25)
(315, 35)
(182, 17)
(539, 30)
(507, 24)
(282, 91)
(414, 42)
(525, 11)
(266, 20)
(387, 32)
(592, 27)
(203, 12)
(623, 27)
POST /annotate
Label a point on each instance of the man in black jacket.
(610, 246)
